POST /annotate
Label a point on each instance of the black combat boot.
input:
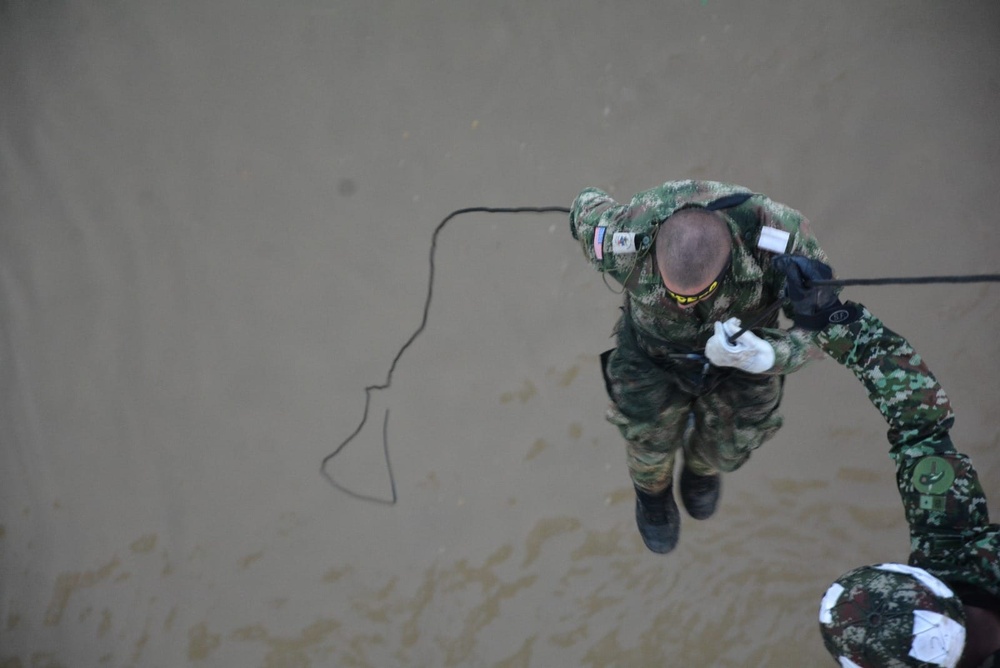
(658, 519)
(700, 493)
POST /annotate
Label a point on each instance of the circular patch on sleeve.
(933, 475)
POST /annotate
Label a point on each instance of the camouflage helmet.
(892, 616)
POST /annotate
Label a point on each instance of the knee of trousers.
(728, 452)
(662, 434)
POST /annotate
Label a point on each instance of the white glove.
(748, 353)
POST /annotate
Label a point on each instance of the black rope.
(980, 278)
(554, 209)
(409, 342)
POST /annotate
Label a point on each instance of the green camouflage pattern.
(749, 288)
(870, 622)
(950, 532)
(652, 397)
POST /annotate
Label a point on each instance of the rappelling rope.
(395, 360)
(563, 210)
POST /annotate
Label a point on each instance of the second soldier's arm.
(944, 502)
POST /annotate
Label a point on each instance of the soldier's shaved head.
(692, 247)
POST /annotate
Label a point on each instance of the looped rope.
(395, 360)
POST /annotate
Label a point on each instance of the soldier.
(694, 259)
(942, 608)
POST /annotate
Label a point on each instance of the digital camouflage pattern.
(749, 288)
(950, 531)
(869, 622)
(652, 397)
(653, 393)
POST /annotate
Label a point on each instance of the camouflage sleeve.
(585, 217)
(594, 219)
(898, 381)
(944, 502)
(793, 348)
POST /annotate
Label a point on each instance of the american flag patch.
(599, 242)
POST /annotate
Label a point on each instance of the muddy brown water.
(214, 230)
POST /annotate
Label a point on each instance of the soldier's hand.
(815, 306)
(748, 353)
(800, 272)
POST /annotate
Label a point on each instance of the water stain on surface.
(543, 531)
(44, 660)
(68, 583)
(289, 652)
(536, 449)
(601, 544)
(144, 544)
(105, 625)
(250, 558)
(527, 391)
(521, 658)
(570, 638)
(168, 568)
(796, 487)
(876, 518)
(140, 645)
(564, 378)
(168, 624)
(575, 430)
(201, 643)
(380, 613)
(595, 603)
(458, 650)
(430, 482)
(852, 474)
(623, 495)
(335, 574)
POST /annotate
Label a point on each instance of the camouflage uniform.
(950, 531)
(652, 389)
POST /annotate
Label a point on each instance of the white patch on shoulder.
(623, 242)
(773, 240)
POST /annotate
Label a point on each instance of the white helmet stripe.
(935, 585)
(830, 599)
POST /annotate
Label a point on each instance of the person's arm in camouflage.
(593, 213)
(795, 347)
(944, 503)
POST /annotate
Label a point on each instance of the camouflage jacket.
(950, 531)
(749, 288)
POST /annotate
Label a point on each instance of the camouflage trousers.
(653, 393)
